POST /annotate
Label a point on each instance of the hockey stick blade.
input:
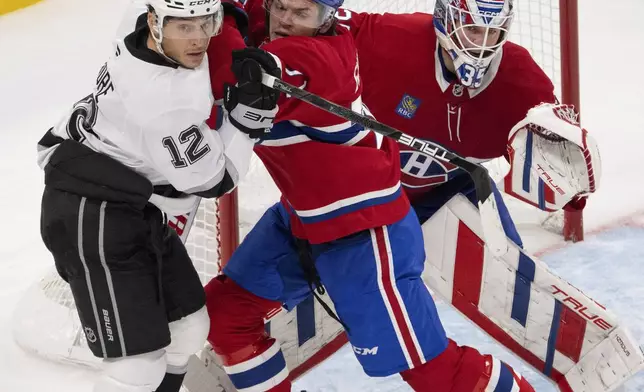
(493, 232)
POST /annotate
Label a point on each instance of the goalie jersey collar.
(136, 44)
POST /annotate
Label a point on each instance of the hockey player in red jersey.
(453, 78)
(343, 221)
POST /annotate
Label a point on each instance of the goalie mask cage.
(45, 321)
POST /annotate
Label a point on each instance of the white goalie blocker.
(552, 159)
(551, 325)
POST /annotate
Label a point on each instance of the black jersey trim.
(50, 140)
(168, 191)
(224, 186)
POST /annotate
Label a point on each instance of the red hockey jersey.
(406, 86)
(334, 179)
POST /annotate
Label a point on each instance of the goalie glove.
(553, 161)
(251, 106)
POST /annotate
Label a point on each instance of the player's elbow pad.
(237, 150)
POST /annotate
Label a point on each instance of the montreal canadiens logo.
(422, 171)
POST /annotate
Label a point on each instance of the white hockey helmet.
(472, 32)
(210, 10)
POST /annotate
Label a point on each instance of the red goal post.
(573, 226)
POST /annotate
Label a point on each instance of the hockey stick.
(493, 232)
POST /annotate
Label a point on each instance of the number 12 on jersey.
(194, 151)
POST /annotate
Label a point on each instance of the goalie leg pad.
(464, 369)
(252, 360)
(506, 220)
(557, 329)
(426, 207)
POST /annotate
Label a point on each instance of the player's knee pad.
(138, 373)
(217, 293)
(464, 369)
(188, 336)
(236, 315)
(260, 366)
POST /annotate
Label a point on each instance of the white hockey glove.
(553, 161)
(251, 106)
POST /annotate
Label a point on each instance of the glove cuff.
(252, 133)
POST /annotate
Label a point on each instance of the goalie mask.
(472, 32)
(552, 159)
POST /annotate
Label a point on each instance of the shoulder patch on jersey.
(408, 106)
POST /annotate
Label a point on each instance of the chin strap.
(162, 52)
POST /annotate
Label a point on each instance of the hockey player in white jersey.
(133, 150)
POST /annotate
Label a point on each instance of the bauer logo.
(408, 106)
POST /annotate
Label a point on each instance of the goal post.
(573, 226)
(229, 232)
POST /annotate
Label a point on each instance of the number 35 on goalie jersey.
(150, 115)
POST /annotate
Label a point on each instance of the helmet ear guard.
(154, 25)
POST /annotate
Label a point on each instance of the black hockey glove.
(251, 105)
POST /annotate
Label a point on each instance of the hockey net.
(45, 320)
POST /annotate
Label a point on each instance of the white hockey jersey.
(149, 114)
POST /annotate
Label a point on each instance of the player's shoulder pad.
(399, 32)
(236, 9)
(156, 91)
(520, 69)
(318, 49)
(418, 24)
